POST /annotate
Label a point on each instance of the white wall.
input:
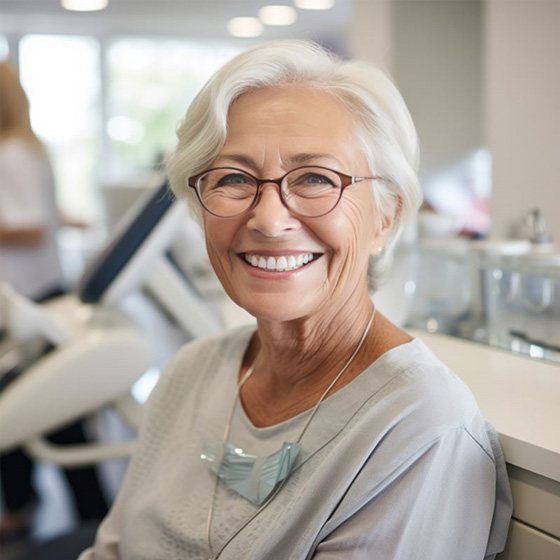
(522, 109)
(438, 68)
(371, 35)
(433, 49)
(477, 73)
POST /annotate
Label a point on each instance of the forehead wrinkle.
(304, 158)
(241, 159)
(288, 162)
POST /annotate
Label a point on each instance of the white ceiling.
(185, 18)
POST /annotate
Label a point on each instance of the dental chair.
(81, 352)
(85, 351)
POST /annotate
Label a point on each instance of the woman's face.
(270, 132)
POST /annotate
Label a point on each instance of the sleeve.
(440, 506)
(108, 536)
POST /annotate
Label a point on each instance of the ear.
(387, 223)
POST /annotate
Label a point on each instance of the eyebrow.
(301, 159)
(241, 159)
(290, 161)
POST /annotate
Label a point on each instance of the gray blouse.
(398, 464)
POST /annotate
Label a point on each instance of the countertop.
(520, 396)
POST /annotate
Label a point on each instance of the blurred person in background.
(28, 214)
(29, 261)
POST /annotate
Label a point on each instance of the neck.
(290, 351)
(295, 362)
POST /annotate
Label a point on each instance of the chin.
(276, 311)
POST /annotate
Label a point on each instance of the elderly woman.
(327, 432)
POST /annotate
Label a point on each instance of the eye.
(312, 183)
(227, 183)
(233, 179)
(315, 179)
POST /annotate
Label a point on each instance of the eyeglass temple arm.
(360, 179)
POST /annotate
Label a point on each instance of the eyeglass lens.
(309, 191)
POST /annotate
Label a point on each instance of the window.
(61, 77)
(151, 82)
(106, 127)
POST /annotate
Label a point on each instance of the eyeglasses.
(309, 191)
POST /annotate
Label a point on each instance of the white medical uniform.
(27, 200)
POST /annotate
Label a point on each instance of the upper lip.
(279, 252)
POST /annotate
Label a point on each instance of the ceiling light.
(277, 15)
(314, 4)
(244, 27)
(84, 5)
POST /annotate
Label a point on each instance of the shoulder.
(221, 345)
(19, 150)
(422, 378)
(27, 171)
(189, 379)
(423, 401)
(203, 359)
(422, 412)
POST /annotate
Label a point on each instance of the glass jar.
(538, 297)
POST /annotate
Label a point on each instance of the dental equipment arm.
(98, 353)
(25, 320)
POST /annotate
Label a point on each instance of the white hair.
(384, 126)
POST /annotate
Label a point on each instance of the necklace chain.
(227, 431)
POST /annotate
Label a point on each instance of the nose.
(269, 216)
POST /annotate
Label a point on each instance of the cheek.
(218, 241)
(358, 228)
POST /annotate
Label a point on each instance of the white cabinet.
(526, 543)
(535, 528)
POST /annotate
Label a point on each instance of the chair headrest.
(124, 244)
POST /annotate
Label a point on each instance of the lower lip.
(272, 275)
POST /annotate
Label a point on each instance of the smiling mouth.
(281, 263)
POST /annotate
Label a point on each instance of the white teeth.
(279, 264)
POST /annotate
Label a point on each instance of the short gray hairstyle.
(384, 126)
